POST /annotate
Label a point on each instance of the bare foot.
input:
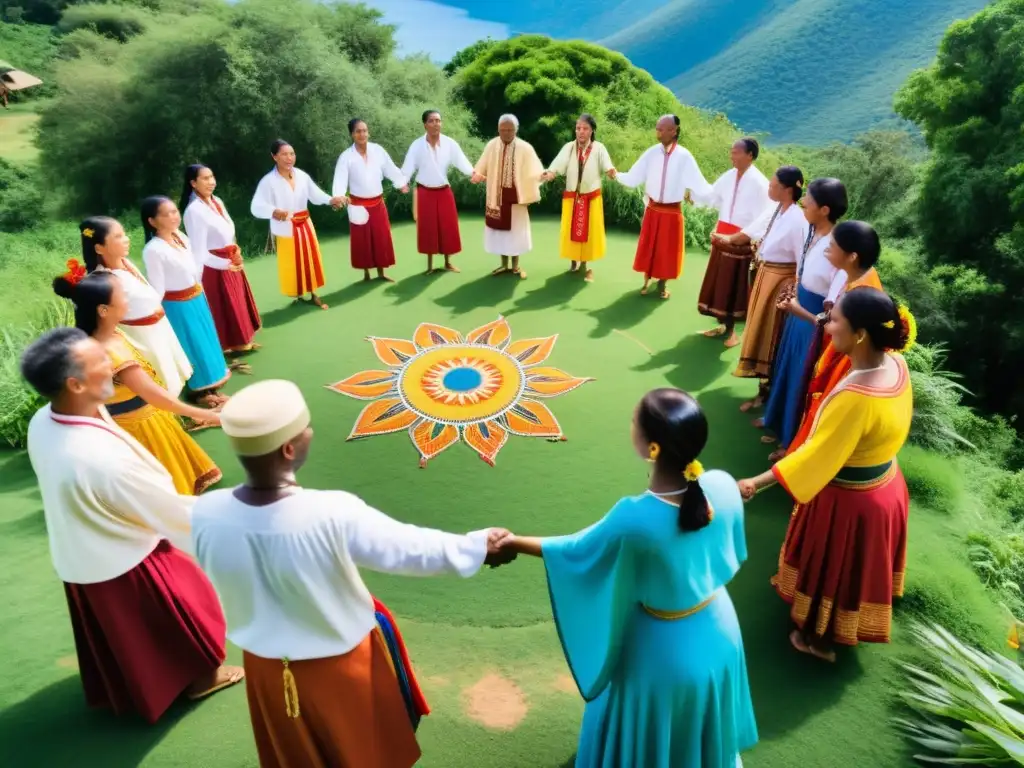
(666, 294)
(520, 272)
(317, 301)
(501, 271)
(643, 291)
(732, 341)
(221, 678)
(451, 268)
(715, 332)
(758, 422)
(573, 266)
(798, 642)
(750, 405)
(778, 455)
(589, 276)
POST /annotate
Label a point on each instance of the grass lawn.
(484, 648)
(17, 130)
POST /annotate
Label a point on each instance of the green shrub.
(118, 22)
(21, 199)
(999, 562)
(937, 396)
(930, 480)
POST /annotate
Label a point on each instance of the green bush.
(999, 562)
(937, 396)
(21, 199)
(929, 479)
(115, 21)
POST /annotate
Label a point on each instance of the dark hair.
(354, 122)
(675, 119)
(49, 361)
(589, 120)
(874, 312)
(673, 419)
(830, 193)
(426, 116)
(276, 145)
(88, 294)
(792, 178)
(751, 146)
(191, 174)
(150, 208)
(859, 237)
(97, 227)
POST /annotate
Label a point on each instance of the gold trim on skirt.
(677, 615)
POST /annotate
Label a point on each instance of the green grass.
(461, 631)
(17, 133)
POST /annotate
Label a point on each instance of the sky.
(433, 28)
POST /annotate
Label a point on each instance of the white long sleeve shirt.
(740, 200)
(360, 176)
(275, 193)
(170, 268)
(288, 573)
(430, 164)
(143, 300)
(666, 175)
(817, 273)
(106, 500)
(784, 242)
(209, 229)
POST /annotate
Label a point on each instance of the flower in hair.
(88, 232)
(75, 272)
(909, 327)
(889, 324)
(693, 471)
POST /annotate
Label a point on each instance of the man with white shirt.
(741, 197)
(669, 174)
(437, 219)
(327, 675)
(147, 623)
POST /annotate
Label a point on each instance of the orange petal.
(532, 351)
(430, 335)
(366, 385)
(382, 417)
(486, 438)
(495, 334)
(528, 418)
(430, 437)
(551, 382)
(393, 351)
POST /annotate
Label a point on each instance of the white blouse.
(275, 193)
(363, 176)
(567, 164)
(208, 230)
(784, 242)
(169, 268)
(742, 203)
(143, 300)
(430, 164)
(817, 274)
(667, 175)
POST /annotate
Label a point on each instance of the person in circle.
(844, 556)
(642, 610)
(139, 404)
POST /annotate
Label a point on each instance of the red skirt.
(725, 292)
(437, 221)
(659, 252)
(845, 554)
(147, 635)
(370, 243)
(233, 307)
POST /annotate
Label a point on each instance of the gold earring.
(654, 452)
(860, 339)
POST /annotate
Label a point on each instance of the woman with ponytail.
(140, 405)
(844, 556)
(640, 602)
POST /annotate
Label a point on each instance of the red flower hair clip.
(75, 272)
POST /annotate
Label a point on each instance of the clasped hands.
(499, 547)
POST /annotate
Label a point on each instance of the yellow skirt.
(596, 244)
(160, 432)
(293, 282)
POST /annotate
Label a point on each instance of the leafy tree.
(970, 108)
(467, 55)
(117, 22)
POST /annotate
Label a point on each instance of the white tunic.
(742, 203)
(107, 502)
(208, 230)
(430, 164)
(666, 176)
(169, 268)
(363, 176)
(275, 193)
(287, 573)
(512, 242)
(567, 164)
(785, 242)
(818, 275)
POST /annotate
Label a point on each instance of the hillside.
(834, 65)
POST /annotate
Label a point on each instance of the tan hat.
(262, 417)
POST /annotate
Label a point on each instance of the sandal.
(589, 277)
(778, 455)
(714, 333)
(768, 439)
(317, 301)
(500, 271)
(451, 268)
(750, 405)
(520, 272)
(234, 675)
(798, 642)
(666, 294)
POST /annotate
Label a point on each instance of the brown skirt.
(725, 292)
(351, 711)
(764, 321)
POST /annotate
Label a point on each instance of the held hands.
(476, 178)
(612, 173)
(338, 202)
(280, 215)
(747, 489)
(404, 190)
(547, 176)
(499, 551)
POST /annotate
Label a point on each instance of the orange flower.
(75, 272)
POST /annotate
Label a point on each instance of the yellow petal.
(495, 334)
(431, 437)
(529, 418)
(430, 335)
(382, 417)
(393, 351)
(532, 351)
(486, 438)
(551, 382)
(366, 385)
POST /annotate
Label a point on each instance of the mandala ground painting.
(442, 386)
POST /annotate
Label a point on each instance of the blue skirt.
(785, 404)
(193, 325)
(679, 696)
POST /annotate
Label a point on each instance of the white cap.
(264, 416)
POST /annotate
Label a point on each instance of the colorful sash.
(307, 253)
(415, 702)
(153, 319)
(186, 294)
(231, 253)
(366, 202)
(665, 207)
(500, 218)
(580, 227)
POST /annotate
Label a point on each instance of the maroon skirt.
(370, 243)
(437, 221)
(725, 292)
(147, 635)
(231, 304)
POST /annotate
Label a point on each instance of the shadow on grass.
(284, 315)
(557, 291)
(487, 290)
(411, 287)
(570, 763)
(53, 727)
(694, 362)
(628, 310)
(16, 471)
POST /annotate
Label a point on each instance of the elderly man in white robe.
(513, 171)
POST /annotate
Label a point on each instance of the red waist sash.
(366, 202)
(230, 253)
(432, 189)
(153, 319)
(665, 207)
(186, 294)
(579, 231)
(725, 228)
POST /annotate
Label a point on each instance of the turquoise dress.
(660, 693)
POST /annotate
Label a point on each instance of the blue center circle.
(462, 380)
